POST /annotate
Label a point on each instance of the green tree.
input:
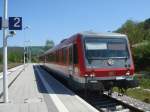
(147, 29)
(133, 30)
(49, 44)
(147, 24)
(15, 57)
(139, 37)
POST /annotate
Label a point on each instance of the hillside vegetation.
(15, 54)
(139, 37)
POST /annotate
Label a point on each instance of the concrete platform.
(13, 73)
(37, 91)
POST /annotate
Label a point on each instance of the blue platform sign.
(15, 23)
(0, 23)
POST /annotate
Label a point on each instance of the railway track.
(103, 103)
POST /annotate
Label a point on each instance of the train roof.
(88, 34)
(95, 34)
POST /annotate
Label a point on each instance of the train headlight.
(92, 75)
(128, 73)
(86, 75)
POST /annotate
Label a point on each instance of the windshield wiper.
(118, 57)
(96, 58)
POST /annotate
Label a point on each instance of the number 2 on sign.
(17, 22)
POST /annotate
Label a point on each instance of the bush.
(141, 55)
(15, 57)
(145, 82)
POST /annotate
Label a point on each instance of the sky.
(59, 19)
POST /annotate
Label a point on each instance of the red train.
(95, 61)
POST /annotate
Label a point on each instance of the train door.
(73, 60)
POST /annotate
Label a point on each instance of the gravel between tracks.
(134, 102)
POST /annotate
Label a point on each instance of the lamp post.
(30, 51)
(24, 55)
(25, 52)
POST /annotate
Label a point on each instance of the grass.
(10, 65)
(144, 80)
(136, 93)
(139, 94)
(145, 83)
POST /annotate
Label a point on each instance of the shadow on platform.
(55, 85)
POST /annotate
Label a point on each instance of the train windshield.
(99, 48)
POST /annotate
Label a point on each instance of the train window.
(98, 48)
(116, 46)
(64, 55)
(70, 55)
(48, 58)
(51, 57)
(57, 56)
(54, 56)
(75, 54)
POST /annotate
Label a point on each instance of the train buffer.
(35, 90)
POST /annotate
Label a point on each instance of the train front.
(108, 62)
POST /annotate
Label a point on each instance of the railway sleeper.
(123, 110)
(113, 109)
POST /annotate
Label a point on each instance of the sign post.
(14, 23)
(5, 80)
